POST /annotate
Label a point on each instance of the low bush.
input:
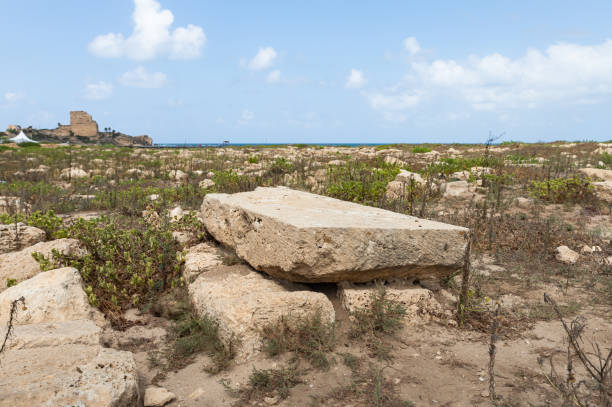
(309, 337)
(560, 190)
(420, 149)
(382, 315)
(267, 382)
(125, 265)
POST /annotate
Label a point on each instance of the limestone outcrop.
(20, 266)
(52, 296)
(16, 236)
(303, 237)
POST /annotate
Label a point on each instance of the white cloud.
(264, 59)
(355, 79)
(412, 45)
(151, 37)
(140, 78)
(98, 91)
(247, 115)
(12, 97)
(274, 76)
(563, 73)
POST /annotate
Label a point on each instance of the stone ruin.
(286, 239)
(81, 124)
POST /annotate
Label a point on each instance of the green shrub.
(194, 335)
(253, 159)
(560, 190)
(266, 382)
(29, 144)
(10, 282)
(358, 182)
(420, 149)
(125, 266)
(606, 159)
(47, 221)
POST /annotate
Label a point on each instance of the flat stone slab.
(303, 237)
(68, 375)
(243, 301)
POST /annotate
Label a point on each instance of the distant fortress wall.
(81, 124)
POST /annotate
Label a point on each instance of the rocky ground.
(146, 286)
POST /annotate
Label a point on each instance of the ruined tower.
(81, 124)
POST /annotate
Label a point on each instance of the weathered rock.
(605, 175)
(157, 396)
(304, 237)
(176, 213)
(603, 190)
(207, 183)
(17, 236)
(52, 296)
(459, 190)
(243, 301)
(79, 332)
(199, 259)
(408, 176)
(419, 302)
(184, 238)
(68, 375)
(21, 265)
(177, 175)
(566, 255)
(71, 173)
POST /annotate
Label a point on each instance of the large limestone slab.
(21, 265)
(51, 296)
(68, 375)
(243, 301)
(304, 237)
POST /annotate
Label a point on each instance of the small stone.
(566, 255)
(157, 396)
(197, 393)
(485, 393)
(271, 400)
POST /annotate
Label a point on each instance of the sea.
(196, 145)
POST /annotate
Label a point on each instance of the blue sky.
(316, 71)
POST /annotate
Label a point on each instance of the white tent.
(22, 138)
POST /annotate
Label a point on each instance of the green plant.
(420, 149)
(10, 282)
(382, 315)
(264, 382)
(29, 144)
(559, 190)
(194, 335)
(309, 336)
(124, 266)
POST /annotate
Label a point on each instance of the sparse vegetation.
(309, 337)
